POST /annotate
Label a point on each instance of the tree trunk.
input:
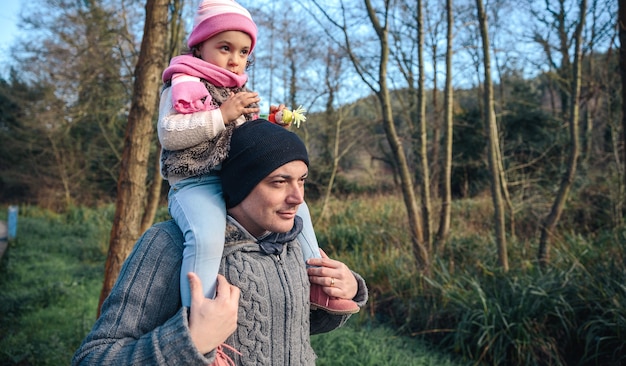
(176, 36)
(329, 114)
(446, 174)
(131, 185)
(622, 67)
(154, 193)
(552, 219)
(423, 136)
(504, 186)
(382, 93)
(415, 226)
(435, 151)
(493, 144)
(339, 150)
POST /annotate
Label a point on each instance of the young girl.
(204, 99)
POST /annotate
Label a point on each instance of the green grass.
(50, 281)
(49, 286)
(366, 345)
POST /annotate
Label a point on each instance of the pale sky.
(8, 28)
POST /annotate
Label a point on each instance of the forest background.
(467, 157)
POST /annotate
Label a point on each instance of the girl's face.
(228, 50)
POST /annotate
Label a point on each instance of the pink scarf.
(187, 64)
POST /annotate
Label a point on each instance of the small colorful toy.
(285, 117)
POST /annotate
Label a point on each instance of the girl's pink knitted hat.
(216, 16)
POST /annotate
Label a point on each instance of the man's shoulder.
(168, 225)
(164, 231)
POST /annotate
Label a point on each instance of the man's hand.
(212, 321)
(335, 277)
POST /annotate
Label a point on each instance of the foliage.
(570, 314)
(469, 167)
(66, 101)
(71, 92)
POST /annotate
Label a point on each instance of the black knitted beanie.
(257, 148)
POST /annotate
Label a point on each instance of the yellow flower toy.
(285, 117)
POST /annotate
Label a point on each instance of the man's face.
(272, 204)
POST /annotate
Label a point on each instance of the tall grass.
(573, 313)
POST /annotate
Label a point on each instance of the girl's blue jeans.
(197, 206)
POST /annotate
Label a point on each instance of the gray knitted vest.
(207, 155)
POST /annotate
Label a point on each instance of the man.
(262, 307)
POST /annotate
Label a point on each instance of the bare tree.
(423, 136)
(77, 64)
(139, 132)
(493, 143)
(551, 220)
(435, 19)
(339, 148)
(381, 89)
(622, 66)
(408, 51)
(448, 103)
(504, 186)
(339, 133)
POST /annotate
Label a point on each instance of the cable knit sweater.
(142, 321)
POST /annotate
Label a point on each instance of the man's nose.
(296, 194)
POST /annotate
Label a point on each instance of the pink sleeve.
(189, 95)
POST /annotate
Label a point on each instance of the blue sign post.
(12, 222)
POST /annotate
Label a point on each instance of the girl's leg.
(310, 247)
(197, 206)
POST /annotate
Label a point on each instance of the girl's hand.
(237, 105)
(335, 277)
